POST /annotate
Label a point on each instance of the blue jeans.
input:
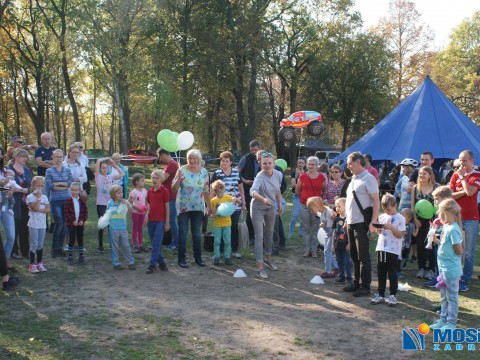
(330, 260)
(59, 219)
(173, 221)
(196, 218)
(470, 227)
(449, 300)
(9, 227)
(344, 264)
(295, 214)
(155, 231)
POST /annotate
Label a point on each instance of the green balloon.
(424, 209)
(281, 163)
(163, 136)
(171, 143)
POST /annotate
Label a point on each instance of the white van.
(326, 156)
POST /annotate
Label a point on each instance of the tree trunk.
(71, 98)
(120, 86)
(238, 93)
(94, 112)
(252, 91)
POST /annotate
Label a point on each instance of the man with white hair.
(43, 154)
(465, 183)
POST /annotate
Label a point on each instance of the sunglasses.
(456, 167)
(335, 172)
(267, 154)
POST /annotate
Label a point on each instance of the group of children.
(393, 244)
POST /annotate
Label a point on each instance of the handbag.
(208, 241)
(243, 235)
(367, 212)
(167, 237)
(90, 174)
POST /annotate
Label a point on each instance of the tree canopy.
(112, 73)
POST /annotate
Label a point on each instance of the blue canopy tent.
(425, 121)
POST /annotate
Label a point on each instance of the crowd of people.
(345, 202)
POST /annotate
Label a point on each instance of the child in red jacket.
(76, 213)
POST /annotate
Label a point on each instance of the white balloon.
(321, 236)
(185, 140)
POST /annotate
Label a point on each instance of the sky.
(441, 15)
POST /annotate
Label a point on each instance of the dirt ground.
(284, 317)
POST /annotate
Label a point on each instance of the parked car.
(326, 156)
(95, 154)
(141, 156)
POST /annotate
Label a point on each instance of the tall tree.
(55, 15)
(30, 50)
(3, 7)
(409, 38)
(350, 83)
(458, 67)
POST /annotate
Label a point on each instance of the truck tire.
(315, 128)
(286, 134)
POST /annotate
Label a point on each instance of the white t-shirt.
(386, 240)
(326, 217)
(37, 220)
(364, 185)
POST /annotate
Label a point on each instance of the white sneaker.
(429, 275)
(392, 300)
(41, 267)
(237, 255)
(377, 299)
(439, 323)
(262, 274)
(32, 268)
(270, 265)
(420, 273)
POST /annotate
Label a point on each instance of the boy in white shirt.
(390, 227)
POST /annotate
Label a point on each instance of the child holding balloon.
(422, 205)
(222, 222)
(436, 227)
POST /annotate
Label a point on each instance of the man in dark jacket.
(248, 168)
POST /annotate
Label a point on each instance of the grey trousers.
(309, 224)
(263, 223)
(119, 239)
